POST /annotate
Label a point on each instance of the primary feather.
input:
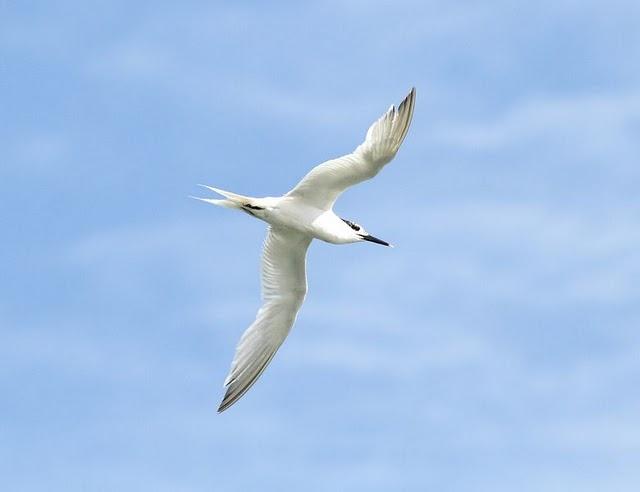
(324, 183)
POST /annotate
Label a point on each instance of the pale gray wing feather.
(284, 286)
(324, 183)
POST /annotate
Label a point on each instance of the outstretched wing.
(284, 285)
(324, 183)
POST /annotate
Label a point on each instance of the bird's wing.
(324, 183)
(284, 286)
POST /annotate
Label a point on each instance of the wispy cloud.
(38, 154)
(604, 124)
(498, 338)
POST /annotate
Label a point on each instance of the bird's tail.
(232, 200)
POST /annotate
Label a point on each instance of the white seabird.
(294, 219)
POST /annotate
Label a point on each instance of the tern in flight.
(304, 213)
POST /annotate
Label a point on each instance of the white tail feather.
(233, 200)
(220, 203)
(231, 196)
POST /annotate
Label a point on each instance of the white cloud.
(37, 154)
(602, 123)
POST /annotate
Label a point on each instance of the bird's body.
(295, 219)
(293, 213)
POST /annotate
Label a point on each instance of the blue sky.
(494, 349)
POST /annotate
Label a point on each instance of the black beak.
(375, 240)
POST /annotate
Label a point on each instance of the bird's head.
(362, 235)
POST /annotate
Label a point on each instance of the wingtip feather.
(238, 388)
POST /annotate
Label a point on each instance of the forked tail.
(232, 200)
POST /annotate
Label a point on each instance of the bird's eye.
(353, 226)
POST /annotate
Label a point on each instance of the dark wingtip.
(225, 403)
